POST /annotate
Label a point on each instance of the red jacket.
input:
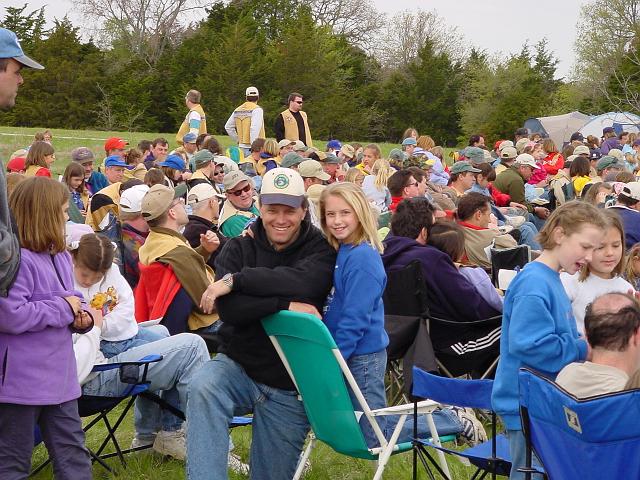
(156, 290)
(553, 162)
(499, 198)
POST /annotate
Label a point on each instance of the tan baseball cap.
(233, 178)
(348, 151)
(284, 142)
(508, 152)
(312, 169)
(526, 159)
(282, 186)
(581, 150)
(157, 201)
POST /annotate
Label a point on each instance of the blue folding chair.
(588, 439)
(491, 456)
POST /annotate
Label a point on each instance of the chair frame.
(388, 447)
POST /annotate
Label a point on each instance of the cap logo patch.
(281, 181)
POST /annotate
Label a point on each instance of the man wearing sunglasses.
(292, 124)
(240, 207)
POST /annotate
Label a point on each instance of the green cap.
(202, 158)
(463, 166)
(475, 154)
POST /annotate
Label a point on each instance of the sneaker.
(237, 465)
(139, 442)
(516, 221)
(473, 431)
(173, 444)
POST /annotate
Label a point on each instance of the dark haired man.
(402, 185)
(292, 124)
(612, 327)
(246, 123)
(159, 151)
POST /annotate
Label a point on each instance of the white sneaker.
(173, 444)
(516, 221)
(138, 442)
(237, 465)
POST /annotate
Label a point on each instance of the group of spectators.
(148, 249)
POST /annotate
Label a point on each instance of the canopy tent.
(620, 121)
(558, 127)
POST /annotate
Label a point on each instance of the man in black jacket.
(284, 263)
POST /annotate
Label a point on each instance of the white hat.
(526, 159)
(581, 150)
(200, 192)
(282, 186)
(251, 92)
(632, 190)
(284, 143)
(312, 169)
(131, 198)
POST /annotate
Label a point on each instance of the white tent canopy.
(620, 121)
(558, 127)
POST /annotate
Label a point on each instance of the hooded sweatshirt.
(265, 281)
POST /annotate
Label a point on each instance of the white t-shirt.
(377, 197)
(582, 294)
(589, 379)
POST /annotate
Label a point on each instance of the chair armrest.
(102, 367)
(424, 406)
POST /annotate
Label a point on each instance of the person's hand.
(209, 241)
(517, 205)
(304, 308)
(213, 291)
(635, 294)
(186, 175)
(82, 321)
(98, 319)
(542, 183)
(541, 212)
(75, 303)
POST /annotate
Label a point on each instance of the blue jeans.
(518, 451)
(528, 232)
(144, 335)
(368, 372)
(537, 221)
(221, 389)
(183, 354)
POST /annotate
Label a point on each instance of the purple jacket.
(37, 363)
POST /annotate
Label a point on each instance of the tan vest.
(291, 127)
(242, 117)
(184, 128)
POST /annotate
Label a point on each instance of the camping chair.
(319, 372)
(491, 456)
(406, 311)
(587, 439)
(508, 259)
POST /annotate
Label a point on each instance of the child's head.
(426, 142)
(39, 206)
(355, 176)
(134, 156)
(92, 259)
(370, 154)
(487, 174)
(347, 217)
(40, 154)
(448, 237)
(153, 177)
(382, 170)
(571, 233)
(410, 132)
(632, 263)
(608, 257)
(580, 167)
(598, 192)
(74, 176)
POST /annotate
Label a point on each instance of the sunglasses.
(299, 103)
(237, 193)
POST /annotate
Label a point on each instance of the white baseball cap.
(251, 92)
(526, 159)
(200, 192)
(131, 198)
(282, 186)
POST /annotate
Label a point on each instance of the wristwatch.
(228, 280)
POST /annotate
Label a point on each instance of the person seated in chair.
(612, 327)
(467, 349)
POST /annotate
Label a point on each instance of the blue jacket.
(354, 313)
(97, 181)
(631, 224)
(538, 331)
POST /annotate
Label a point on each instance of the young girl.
(598, 193)
(73, 177)
(538, 329)
(632, 267)
(370, 155)
(103, 286)
(601, 275)
(135, 157)
(39, 160)
(375, 185)
(38, 379)
(354, 175)
(579, 172)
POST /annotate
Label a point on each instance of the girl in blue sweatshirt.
(538, 328)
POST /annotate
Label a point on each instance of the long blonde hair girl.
(353, 195)
(382, 170)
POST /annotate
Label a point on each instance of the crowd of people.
(145, 249)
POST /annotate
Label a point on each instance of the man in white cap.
(240, 208)
(134, 231)
(284, 264)
(246, 123)
(205, 205)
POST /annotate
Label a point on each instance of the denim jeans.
(518, 450)
(221, 389)
(183, 354)
(528, 232)
(368, 372)
(144, 335)
(537, 221)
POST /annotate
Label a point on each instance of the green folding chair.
(318, 370)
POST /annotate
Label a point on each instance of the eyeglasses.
(239, 192)
(299, 102)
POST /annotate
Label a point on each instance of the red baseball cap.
(114, 143)
(17, 165)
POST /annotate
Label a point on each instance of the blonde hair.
(36, 204)
(382, 170)
(570, 217)
(271, 147)
(375, 148)
(627, 271)
(353, 195)
(352, 175)
(425, 142)
(614, 222)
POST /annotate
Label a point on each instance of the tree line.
(419, 73)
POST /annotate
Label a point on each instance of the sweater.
(477, 239)
(354, 313)
(97, 181)
(582, 294)
(512, 183)
(538, 331)
(118, 314)
(37, 365)
(265, 281)
(631, 223)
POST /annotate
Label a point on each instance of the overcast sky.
(498, 26)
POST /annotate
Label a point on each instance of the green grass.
(326, 464)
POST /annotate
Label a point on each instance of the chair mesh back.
(309, 350)
(587, 439)
(405, 292)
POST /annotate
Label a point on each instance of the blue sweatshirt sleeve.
(533, 337)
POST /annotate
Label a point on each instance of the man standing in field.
(195, 121)
(246, 123)
(292, 124)
(12, 60)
